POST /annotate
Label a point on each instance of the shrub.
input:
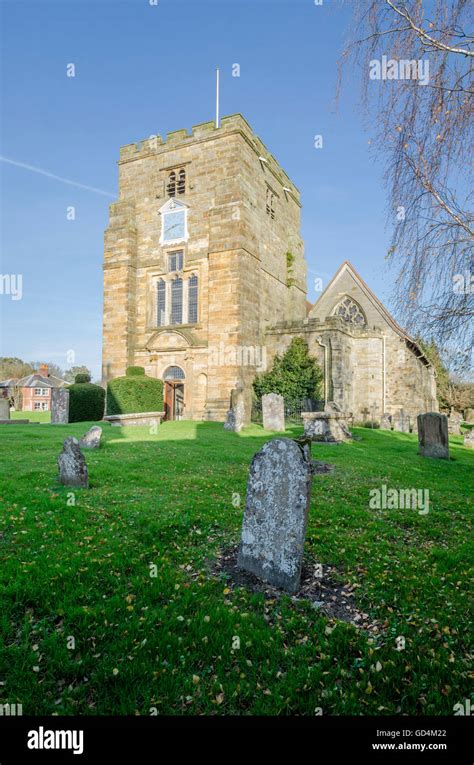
(295, 376)
(367, 424)
(134, 393)
(82, 378)
(86, 401)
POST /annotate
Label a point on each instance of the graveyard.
(117, 598)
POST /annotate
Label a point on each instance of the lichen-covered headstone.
(59, 406)
(386, 422)
(276, 511)
(469, 416)
(72, 465)
(4, 409)
(91, 439)
(433, 435)
(273, 411)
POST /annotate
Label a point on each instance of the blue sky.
(144, 69)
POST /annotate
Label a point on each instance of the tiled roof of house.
(36, 380)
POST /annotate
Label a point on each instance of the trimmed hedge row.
(134, 393)
(86, 401)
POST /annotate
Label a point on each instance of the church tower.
(203, 254)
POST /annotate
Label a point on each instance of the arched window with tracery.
(350, 311)
(193, 300)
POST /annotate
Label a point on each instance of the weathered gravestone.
(328, 427)
(91, 439)
(469, 439)
(59, 406)
(273, 411)
(276, 511)
(4, 409)
(386, 422)
(235, 417)
(72, 465)
(469, 416)
(454, 422)
(402, 422)
(433, 435)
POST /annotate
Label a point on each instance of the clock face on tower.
(173, 226)
(173, 223)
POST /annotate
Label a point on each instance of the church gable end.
(348, 297)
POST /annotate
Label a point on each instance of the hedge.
(82, 377)
(134, 393)
(86, 402)
(135, 371)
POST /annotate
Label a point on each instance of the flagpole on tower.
(217, 98)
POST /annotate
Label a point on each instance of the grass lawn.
(31, 416)
(85, 629)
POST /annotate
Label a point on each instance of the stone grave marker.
(386, 422)
(402, 422)
(72, 465)
(469, 439)
(4, 409)
(433, 435)
(91, 439)
(454, 422)
(276, 511)
(469, 416)
(273, 411)
(59, 406)
(235, 417)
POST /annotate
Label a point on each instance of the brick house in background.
(35, 389)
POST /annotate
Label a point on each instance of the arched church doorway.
(173, 393)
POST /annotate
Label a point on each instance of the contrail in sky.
(40, 171)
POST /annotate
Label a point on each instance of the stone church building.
(205, 281)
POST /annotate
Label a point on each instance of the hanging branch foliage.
(419, 95)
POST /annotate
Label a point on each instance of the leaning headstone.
(276, 511)
(469, 439)
(454, 423)
(433, 435)
(59, 406)
(469, 416)
(273, 411)
(402, 422)
(91, 439)
(386, 422)
(4, 409)
(72, 465)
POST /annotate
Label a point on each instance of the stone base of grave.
(140, 418)
(326, 427)
(17, 422)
